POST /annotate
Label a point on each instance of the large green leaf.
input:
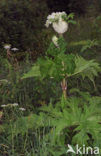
(86, 68)
(34, 72)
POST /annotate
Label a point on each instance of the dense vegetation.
(38, 117)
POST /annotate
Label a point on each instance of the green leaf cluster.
(58, 65)
(86, 68)
(79, 116)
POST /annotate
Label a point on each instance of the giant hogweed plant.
(57, 64)
(75, 119)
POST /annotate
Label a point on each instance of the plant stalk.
(64, 87)
(64, 82)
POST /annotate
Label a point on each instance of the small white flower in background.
(14, 49)
(3, 105)
(4, 80)
(10, 105)
(22, 109)
(15, 104)
(55, 40)
(58, 22)
(7, 46)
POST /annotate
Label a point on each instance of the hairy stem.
(64, 82)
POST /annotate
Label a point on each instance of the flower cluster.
(14, 49)
(54, 17)
(55, 41)
(8, 47)
(22, 109)
(58, 22)
(13, 105)
(10, 105)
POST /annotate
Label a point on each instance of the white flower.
(7, 46)
(47, 24)
(60, 26)
(55, 40)
(52, 77)
(14, 104)
(57, 21)
(14, 49)
(4, 80)
(3, 105)
(10, 105)
(52, 16)
(22, 109)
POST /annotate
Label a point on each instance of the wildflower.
(3, 80)
(10, 105)
(52, 77)
(58, 22)
(15, 104)
(3, 105)
(60, 26)
(14, 49)
(7, 46)
(47, 24)
(55, 40)
(22, 109)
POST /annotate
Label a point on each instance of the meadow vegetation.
(50, 96)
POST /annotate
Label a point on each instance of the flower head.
(7, 46)
(15, 104)
(15, 49)
(55, 40)
(22, 109)
(10, 105)
(60, 26)
(3, 105)
(57, 21)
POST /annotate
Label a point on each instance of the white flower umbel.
(60, 26)
(3, 105)
(55, 41)
(14, 49)
(10, 105)
(7, 46)
(15, 104)
(22, 109)
(58, 22)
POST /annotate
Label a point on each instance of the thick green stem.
(64, 82)
(64, 87)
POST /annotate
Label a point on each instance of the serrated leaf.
(86, 68)
(34, 72)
